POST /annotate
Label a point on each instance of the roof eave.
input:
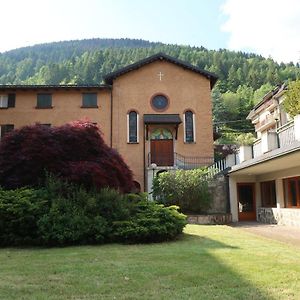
(160, 56)
(44, 86)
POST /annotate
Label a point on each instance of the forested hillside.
(243, 78)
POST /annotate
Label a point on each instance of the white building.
(264, 185)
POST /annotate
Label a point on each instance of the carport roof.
(276, 160)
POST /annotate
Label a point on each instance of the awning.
(173, 119)
(162, 119)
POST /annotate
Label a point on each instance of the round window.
(159, 102)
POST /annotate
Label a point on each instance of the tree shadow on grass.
(189, 268)
(204, 275)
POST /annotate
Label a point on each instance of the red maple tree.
(75, 151)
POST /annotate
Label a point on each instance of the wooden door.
(246, 201)
(162, 152)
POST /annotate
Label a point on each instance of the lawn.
(207, 262)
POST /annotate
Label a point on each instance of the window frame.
(38, 106)
(128, 127)
(266, 192)
(2, 134)
(89, 106)
(185, 127)
(3, 101)
(159, 109)
(287, 191)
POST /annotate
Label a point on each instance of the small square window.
(44, 101)
(89, 100)
(4, 129)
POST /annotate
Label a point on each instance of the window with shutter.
(89, 100)
(11, 101)
(44, 101)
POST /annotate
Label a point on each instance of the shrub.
(150, 222)
(221, 150)
(75, 152)
(20, 210)
(80, 216)
(187, 189)
(67, 224)
(292, 98)
(64, 213)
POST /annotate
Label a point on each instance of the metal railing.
(191, 162)
(286, 134)
(179, 161)
(217, 167)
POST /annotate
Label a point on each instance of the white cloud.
(267, 27)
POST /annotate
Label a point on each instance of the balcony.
(286, 134)
(266, 123)
(283, 137)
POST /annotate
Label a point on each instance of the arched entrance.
(161, 145)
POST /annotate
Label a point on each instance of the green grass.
(207, 262)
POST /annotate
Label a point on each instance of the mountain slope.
(243, 77)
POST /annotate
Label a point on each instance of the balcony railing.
(286, 134)
(257, 150)
(179, 161)
(191, 162)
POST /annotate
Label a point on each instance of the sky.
(266, 27)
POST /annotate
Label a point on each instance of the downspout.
(144, 151)
(111, 116)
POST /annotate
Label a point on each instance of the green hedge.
(20, 211)
(186, 189)
(65, 214)
(150, 222)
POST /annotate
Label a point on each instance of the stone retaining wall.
(280, 216)
(218, 188)
(212, 219)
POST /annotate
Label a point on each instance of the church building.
(157, 113)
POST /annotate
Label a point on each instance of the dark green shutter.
(89, 100)
(44, 101)
(11, 100)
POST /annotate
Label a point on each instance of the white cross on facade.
(160, 74)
